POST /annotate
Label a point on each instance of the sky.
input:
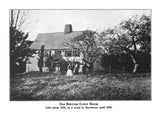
(48, 21)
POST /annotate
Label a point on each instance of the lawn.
(50, 86)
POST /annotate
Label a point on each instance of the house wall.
(74, 58)
(33, 65)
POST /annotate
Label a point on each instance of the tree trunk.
(41, 58)
(135, 64)
(135, 68)
(90, 67)
(110, 70)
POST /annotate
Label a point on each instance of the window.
(48, 53)
(52, 52)
(68, 53)
(58, 52)
(77, 53)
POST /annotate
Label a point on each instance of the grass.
(50, 86)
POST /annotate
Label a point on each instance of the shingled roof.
(53, 40)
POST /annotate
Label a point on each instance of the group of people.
(76, 68)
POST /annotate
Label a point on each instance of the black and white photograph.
(80, 54)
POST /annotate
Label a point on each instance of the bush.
(56, 60)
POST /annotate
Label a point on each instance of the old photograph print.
(87, 54)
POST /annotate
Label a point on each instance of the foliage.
(56, 60)
(114, 61)
(86, 43)
(132, 38)
(123, 62)
(19, 49)
(19, 45)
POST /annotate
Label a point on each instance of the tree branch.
(17, 19)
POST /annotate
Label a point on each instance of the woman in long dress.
(69, 71)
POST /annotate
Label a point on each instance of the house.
(54, 43)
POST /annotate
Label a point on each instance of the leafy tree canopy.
(87, 44)
(132, 37)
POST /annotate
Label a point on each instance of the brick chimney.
(68, 28)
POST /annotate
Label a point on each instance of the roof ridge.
(56, 32)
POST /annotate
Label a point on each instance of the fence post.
(110, 71)
(123, 70)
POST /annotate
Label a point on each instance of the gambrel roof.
(53, 40)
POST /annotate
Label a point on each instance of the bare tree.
(18, 18)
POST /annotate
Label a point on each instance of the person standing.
(76, 69)
(84, 68)
(80, 68)
(69, 71)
